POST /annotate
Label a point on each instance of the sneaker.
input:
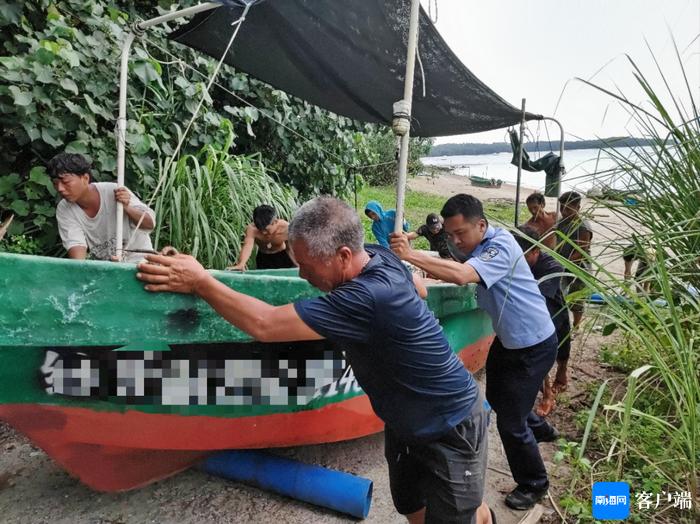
(522, 498)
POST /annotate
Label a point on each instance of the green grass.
(647, 432)
(419, 205)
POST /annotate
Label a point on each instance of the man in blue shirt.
(435, 436)
(525, 345)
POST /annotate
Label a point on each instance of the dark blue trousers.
(513, 378)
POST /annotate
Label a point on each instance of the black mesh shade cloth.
(349, 57)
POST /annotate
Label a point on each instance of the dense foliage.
(59, 87)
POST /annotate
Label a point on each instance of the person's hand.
(400, 245)
(177, 274)
(237, 267)
(122, 195)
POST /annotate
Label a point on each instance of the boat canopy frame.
(402, 119)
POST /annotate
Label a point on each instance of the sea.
(585, 169)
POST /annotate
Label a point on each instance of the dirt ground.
(34, 490)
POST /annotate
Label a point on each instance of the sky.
(531, 48)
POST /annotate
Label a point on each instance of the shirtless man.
(541, 221)
(269, 233)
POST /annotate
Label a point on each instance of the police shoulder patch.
(488, 253)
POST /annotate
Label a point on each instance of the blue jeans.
(513, 378)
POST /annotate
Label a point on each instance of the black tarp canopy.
(348, 56)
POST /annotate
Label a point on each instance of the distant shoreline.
(466, 149)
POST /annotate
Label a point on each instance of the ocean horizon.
(585, 169)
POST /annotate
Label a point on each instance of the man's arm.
(77, 253)
(246, 250)
(133, 210)
(446, 270)
(584, 243)
(420, 285)
(412, 235)
(262, 321)
(72, 235)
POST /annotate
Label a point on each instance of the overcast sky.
(531, 48)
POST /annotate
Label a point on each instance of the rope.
(205, 94)
(430, 11)
(422, 71)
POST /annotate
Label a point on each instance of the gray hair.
(326, 224)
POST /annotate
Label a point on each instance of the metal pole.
(121, 139)
(121, 120)
(561, 157)
(408, 97)
(188, 11)
(520, 165)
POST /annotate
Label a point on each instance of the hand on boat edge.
(176, 273)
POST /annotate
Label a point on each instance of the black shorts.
(445, 476)
(277, 260)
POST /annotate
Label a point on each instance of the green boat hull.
(80, 324)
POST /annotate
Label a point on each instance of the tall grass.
(207, 201)
(650, 432)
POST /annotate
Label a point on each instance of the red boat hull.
(118, 451)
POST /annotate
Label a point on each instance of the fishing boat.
(122, 396)
(485, 182)
(121, 387)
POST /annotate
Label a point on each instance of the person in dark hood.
(382, 222)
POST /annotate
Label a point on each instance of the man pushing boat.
(436, 421)
(269, 233)
(526, 342)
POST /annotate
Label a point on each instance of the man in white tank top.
(87, 214)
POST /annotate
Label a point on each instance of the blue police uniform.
(521, 355)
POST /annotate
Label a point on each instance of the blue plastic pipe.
(336, 490)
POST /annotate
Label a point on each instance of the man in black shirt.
(434, 232)
(543, 268)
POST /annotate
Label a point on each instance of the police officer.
(525, 346)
